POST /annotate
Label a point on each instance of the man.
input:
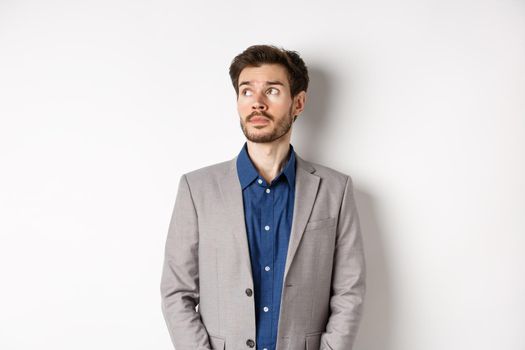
(264, 250)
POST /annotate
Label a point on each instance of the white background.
(104, 104)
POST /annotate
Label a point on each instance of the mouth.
(259, 120)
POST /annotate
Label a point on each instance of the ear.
(299, 102)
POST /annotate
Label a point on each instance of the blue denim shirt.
(268, 209)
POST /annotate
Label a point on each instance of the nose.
(258, 107)
(259, 103)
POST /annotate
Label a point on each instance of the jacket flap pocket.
(313, 341)
(216, 342)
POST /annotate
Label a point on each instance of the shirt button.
(267, 190)
(250, 343)
(267, 268)
(259, 181)
(266, 227)
(265, 309)
(248, 292)
(265, 348)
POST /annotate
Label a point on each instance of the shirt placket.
(268, 230)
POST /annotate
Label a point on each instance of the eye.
(274, 89)
(246, 92)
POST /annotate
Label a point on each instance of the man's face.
(265, 105)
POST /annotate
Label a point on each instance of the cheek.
(242, 111)
(282, 106)
(243, 104)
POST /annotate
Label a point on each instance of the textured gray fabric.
(207, 263)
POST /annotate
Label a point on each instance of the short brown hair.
(257, 55)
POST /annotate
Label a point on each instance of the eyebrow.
(276, 82)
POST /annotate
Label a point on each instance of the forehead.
(263, 74)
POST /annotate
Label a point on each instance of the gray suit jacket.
(206, 283)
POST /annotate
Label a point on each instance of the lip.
(259, 120)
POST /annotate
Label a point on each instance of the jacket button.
(250, 343)
(248, 292)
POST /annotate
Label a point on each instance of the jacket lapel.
(231, 192)
(306, 185)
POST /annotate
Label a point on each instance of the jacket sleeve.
(180, 275)
(348, 278)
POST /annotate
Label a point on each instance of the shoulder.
(329, 175)
(209, 174)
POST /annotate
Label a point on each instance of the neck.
(269, 158)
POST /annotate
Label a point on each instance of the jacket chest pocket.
(321, 224)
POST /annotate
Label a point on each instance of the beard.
(280, 128)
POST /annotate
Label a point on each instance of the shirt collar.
(247, 171)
